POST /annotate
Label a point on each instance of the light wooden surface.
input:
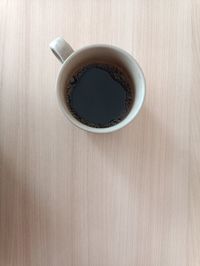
(131, 198)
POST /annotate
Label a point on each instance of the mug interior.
(102, 54)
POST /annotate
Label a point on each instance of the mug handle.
(61, 49)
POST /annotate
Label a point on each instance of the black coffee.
(99, 95)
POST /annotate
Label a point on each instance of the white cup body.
(100, 53)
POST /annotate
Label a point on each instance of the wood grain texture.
(68, 197)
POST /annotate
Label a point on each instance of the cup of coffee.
(100, 88)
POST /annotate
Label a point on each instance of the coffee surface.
(99, 95)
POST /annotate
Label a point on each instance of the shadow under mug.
(71, 59)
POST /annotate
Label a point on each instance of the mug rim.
(75, 121)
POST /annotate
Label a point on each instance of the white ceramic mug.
(71, 59)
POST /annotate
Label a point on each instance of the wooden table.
(131, 198)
